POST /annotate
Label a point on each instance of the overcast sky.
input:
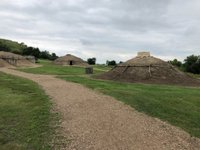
(105, 29)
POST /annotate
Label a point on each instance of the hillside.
(11, 46)
(22, 49)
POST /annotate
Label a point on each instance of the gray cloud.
(105, 29)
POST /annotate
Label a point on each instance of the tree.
(192, 64)
(53, 56)
(176, 63)
(45, 55)
(4, 47)
(111, 63)
(91, 61)
(31, 51)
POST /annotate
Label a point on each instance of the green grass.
(179, 106)
(49, 68)
(194, 75)
(13, 46)
(25, 115)
(102, 67)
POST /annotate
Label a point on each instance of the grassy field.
(102, 67)
(49, 68)
(25, 115)
(179, 106)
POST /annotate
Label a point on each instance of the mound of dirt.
(10, 55)
(5, 64)
(148, 69)
(25, 63)
(15, 60)
(70, 60)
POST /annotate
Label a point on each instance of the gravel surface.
(93, 121)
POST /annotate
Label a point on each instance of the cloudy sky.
(105, 29)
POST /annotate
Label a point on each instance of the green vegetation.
(194, 75)
(25, 115)
(49, 68)
(111, 63)
(91, 61)
(55, 70)
(103, 68)
(11, 46)
(179, 106)
(22, 49)
(191, 64)
(176, 63)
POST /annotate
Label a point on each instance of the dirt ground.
(21, 61)
(91, 120)
(3, 63)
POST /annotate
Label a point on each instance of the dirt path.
(95, 121)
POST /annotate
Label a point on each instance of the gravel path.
(97, 122)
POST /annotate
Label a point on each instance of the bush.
(192, 64)
(91, 61)
(176, 63)
(111, 63)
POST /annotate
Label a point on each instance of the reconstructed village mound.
(11, 60)
(145, 68)
(70, 60)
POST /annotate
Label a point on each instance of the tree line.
(22, 49)
(92, 61)
(39, 54)
(191, 64)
